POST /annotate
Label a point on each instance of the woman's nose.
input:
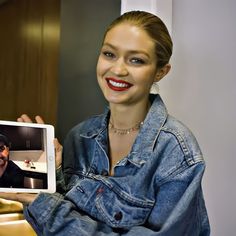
(119, 68)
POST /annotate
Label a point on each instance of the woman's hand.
(57, 145)
(25, 198)
(26, 118)
(58, 153)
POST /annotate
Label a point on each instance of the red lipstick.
(118, 85)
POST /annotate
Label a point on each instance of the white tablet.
(27, 157)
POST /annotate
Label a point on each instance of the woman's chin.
(115, 100)
(115, 97)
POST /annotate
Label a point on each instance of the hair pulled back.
(154, 27)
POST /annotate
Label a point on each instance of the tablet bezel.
(50, 158)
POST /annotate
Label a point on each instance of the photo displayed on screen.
(22, 157)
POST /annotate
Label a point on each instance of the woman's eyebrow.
(109, 45)
(130, 51)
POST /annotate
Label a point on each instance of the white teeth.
(116, 84)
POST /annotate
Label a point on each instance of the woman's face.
(126, 66)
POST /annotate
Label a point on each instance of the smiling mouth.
(118, 85)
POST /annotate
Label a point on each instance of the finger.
(8, 196)
(24, 118)
(20, 197)
(57, 145)
(26, 197)
(20, 119)
(39, 120)
(58, 152)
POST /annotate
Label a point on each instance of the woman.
(134, 170)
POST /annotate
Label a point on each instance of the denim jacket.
(155, 190)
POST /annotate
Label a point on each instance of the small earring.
(155, 88)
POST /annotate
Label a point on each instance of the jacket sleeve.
(179, 211)
(60, 181)
(180, 207)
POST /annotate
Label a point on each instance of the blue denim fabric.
(155, 190)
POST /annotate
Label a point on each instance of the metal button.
(118, 215)
(100, 190)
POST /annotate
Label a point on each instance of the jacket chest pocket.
(120, 210)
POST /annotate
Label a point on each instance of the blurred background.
(48, 54)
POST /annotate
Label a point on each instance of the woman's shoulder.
(178, 132)
(177, 127)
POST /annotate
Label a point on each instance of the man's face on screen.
(4, 154)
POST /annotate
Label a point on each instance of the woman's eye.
(108, 54)
(138, 61)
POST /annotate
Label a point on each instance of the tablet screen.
(26, 157)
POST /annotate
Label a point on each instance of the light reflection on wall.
(37, 30)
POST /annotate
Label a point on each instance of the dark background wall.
(49, 51)
(82, 27)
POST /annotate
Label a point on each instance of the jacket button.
(118, 215)
(100, 190)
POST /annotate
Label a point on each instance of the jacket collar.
(153, 122)
(146, 139)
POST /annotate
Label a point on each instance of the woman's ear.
(162, 72)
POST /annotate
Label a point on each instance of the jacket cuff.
(41, 208)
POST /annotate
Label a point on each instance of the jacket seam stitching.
(190, 159)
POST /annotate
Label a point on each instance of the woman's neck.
(127, 116)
